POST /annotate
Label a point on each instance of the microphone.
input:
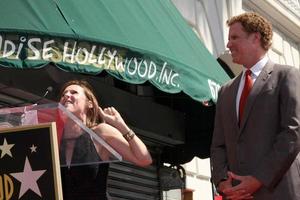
(49, 89)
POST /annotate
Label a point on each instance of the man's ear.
(257, 36)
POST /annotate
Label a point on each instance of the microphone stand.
(36, 101)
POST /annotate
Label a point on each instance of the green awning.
(133, 40)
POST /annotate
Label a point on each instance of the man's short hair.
(253, 22)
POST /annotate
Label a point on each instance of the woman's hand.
(111, 116)
(133, 150)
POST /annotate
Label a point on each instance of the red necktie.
(246, 90)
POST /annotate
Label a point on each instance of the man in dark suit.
(256, 141)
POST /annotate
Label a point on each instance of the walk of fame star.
(28, 179)
(33, 148)
(5, 148)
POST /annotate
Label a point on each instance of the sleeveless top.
(84, 182)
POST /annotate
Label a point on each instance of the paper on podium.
(78, 145)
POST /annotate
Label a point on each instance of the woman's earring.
(90, 104)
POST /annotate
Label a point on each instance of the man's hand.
(223, 185)
(248, 185)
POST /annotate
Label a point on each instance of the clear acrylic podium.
(78, 145)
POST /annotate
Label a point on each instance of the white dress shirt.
(256, 69)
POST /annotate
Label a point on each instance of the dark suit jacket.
(266, 145)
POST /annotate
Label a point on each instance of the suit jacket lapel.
(258, 85)
(232, 100)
